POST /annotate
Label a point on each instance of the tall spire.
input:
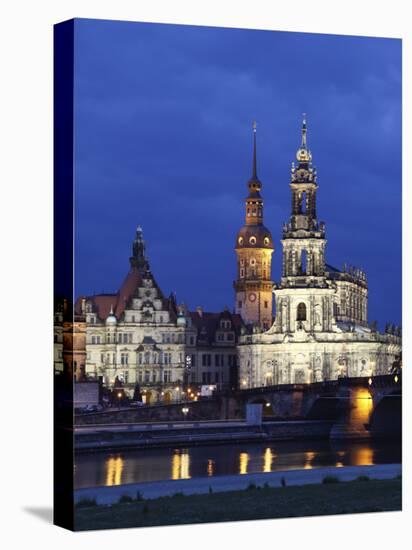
(138, 258)
(304, 130)
(254, 173)
(303, 154)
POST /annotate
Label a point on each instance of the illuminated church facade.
(320, 330)
(139, 337)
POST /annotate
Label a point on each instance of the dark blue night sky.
(163, 138)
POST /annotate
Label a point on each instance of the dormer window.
(252, 240)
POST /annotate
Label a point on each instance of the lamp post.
(188, 367)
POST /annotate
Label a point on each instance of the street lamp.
(188, 367)
(185, 410)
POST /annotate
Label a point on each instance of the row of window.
(210, 378)
(147, 358)
(148, 376)
(167, 338)
(219, 360)
(165, 358)
(240, 303)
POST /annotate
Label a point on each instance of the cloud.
(163, 138)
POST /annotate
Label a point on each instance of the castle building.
(254, 248)
(320, 330)
(138, 337)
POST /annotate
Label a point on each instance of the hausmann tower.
(254, 248)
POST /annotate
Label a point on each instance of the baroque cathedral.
(320, 330)
(139, 337)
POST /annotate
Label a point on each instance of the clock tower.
(254, 248)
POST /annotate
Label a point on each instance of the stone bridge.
(359, 406)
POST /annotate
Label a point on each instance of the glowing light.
(119, 394)
(370, 381)
(210, 467)
(267, 405)
(243, 463)
(361, 407)
(268, 459)
(181, 465)
(362, 457)
(396, 378)
(114, 467)
(309, 456)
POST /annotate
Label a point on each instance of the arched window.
(301, 312)
(303, 207)
(303, 262)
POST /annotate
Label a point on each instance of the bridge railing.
(383, 380)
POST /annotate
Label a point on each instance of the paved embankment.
(156, 489)
(117, 436)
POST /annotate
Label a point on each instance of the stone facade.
(139, 337)
(320, 331)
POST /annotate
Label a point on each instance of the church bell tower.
(304, 297)
(254, 248)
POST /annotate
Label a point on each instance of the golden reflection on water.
(309, 456)
(361, 407)
(243, 463)
(362, 456)
(268, 459)
(114, 470)
(181, 465)
(210, 467)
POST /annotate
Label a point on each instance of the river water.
(135, 466)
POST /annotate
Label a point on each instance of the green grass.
(330, 479)
(310, 500)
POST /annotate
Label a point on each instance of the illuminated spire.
(303, 154)
(254, 174)
(304, 130)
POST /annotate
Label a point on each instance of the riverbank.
(202, 485)
(266, 502)
(147, 435)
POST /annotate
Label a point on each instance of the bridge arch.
(386, 418)
(267, 408)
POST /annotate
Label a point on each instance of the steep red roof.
(131, 283)
(102, 303)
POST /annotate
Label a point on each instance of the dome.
(111, 319)
(181, 321)
(254, 236)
